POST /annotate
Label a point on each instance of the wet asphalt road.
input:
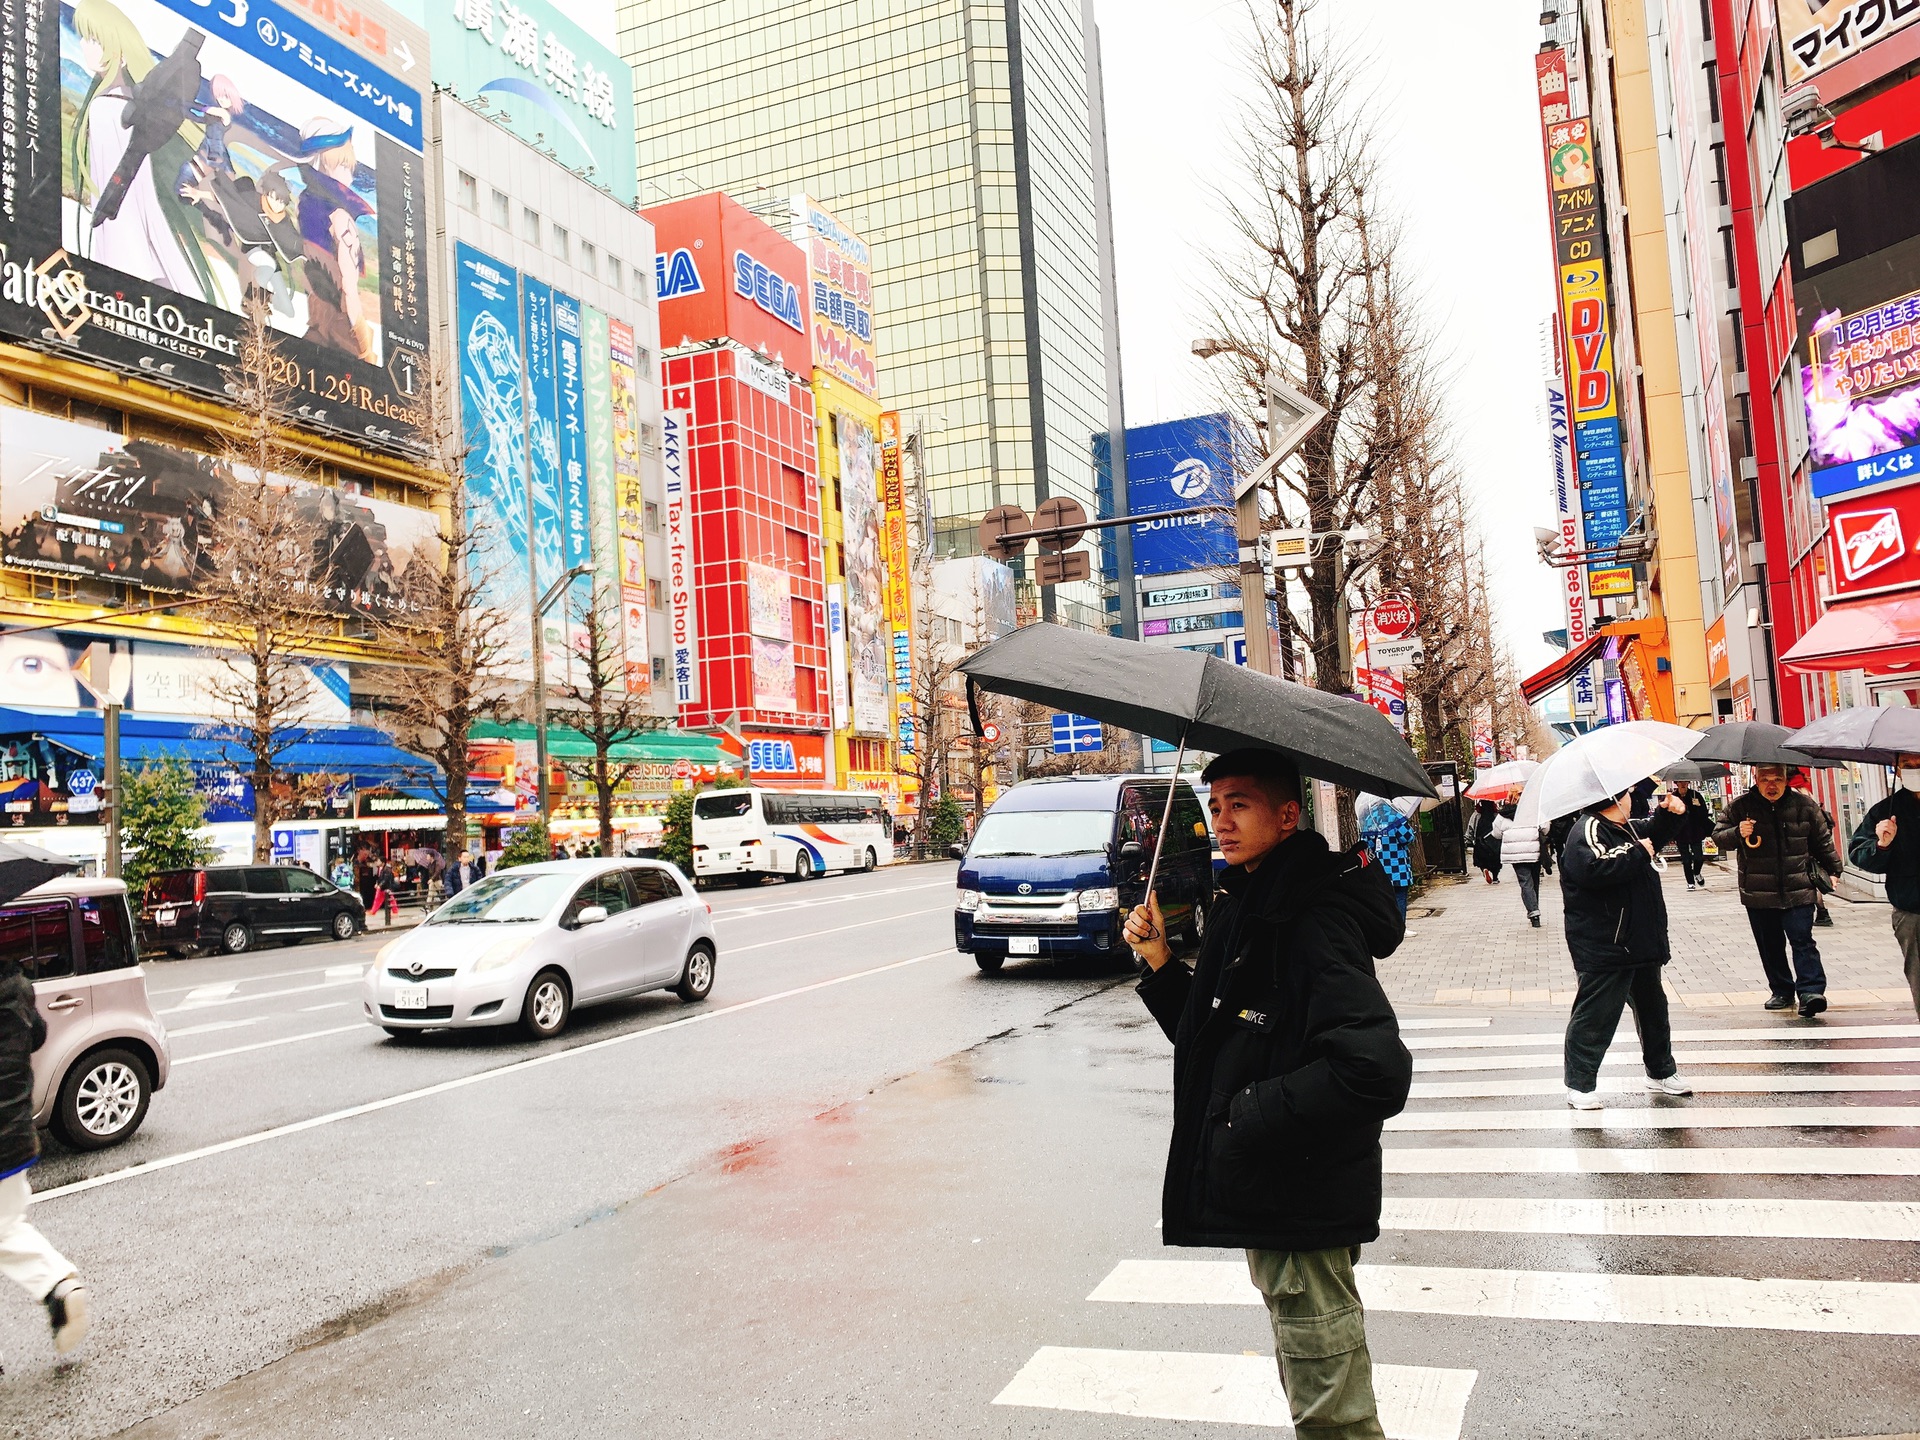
(853, 1210)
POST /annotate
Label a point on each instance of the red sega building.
(734, 327)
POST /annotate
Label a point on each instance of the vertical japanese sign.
(837, 653)
(682, 608)
(576, 521)
(543, 461)
(868, 636)
(603, 513)
(841, 270)
(1566, 504)
(162, 160)
(494, 425)
(630, 504)
(899, 565)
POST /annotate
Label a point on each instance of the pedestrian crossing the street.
(1786, 1112)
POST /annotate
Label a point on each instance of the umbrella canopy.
(1495, 781)
(1600, 765)
(1694, 771)
(1200, 702)
(22, 867)
(1751, 742)
(1874, 733)
(1408, 805)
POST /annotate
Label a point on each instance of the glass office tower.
(958, 137)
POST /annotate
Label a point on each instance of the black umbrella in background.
(23, 867)
(1753, 742)
(1871, 733)
(1198, 701)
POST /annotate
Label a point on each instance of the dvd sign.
(1872, 543)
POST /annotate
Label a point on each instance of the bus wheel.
(872, 861)
(802, 867)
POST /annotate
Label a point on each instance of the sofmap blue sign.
(1173, 466)
(543, 434)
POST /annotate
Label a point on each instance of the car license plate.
(164, 917)
(410, 997)
(1023, 945)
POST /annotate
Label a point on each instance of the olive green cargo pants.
(1319, 1340)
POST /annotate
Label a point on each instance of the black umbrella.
(22, 867)
(1752, 742)
(1198, 701)
(1871, 733)
(1694, 772)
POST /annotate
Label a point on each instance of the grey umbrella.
(1752, 742)
(1199, 702)
(1694, 772)
(22, 867)
(1873, 733)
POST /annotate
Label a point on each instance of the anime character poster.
(174, 159)
(867, 631)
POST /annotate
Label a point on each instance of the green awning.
(659, 746)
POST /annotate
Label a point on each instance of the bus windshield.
(1042, 832)
(724, 805)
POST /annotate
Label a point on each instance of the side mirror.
(1132, 852)
(592, 915)
(956, 852)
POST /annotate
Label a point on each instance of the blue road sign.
(1073, 733)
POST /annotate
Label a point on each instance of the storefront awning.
(1562, 671)
(357, 750)
(656, 746)
(1881, 636)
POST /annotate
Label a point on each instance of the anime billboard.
(172, 158)
(868, 640)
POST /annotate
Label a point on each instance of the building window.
(652, 513)
(530, 225)
(643, 362)
(502, 212)
(659, 669)
(560, 239)
(646, 436)
(469, 193)
(613, 272)
(589, 259)
(656, 595)
(642, 280)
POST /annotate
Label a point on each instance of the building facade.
(960, 140)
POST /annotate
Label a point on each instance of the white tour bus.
(793, 833)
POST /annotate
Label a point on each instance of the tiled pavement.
(1471, 945)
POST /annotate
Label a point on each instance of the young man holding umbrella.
(1286, 1060)
(1780, 835)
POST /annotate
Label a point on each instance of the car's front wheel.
(235, 938)
(344, 927)
(696, 980)
(548, 1004)
(103, 1099)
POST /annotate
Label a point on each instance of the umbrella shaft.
(1166, 814)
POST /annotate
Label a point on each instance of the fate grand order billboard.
(161, 161)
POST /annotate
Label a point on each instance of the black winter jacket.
(1794, 835)
(1697, 824)
(1286, 1057)
(1616, 917)
(1900, 861)
(22, 1032)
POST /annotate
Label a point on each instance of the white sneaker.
(1586, 1099)
(70, 1313)
(1672, 1085)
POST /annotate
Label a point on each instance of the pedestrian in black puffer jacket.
(1887, 843)
(1780, 835)
(1286, 1061)
(22, 1032)
(1616, 919)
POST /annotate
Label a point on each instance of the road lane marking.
(1772, 1218)
(747, 912)
(1550, 1040)
(1631, 1056)
(1480, 1023)
(153, 993)
(1648, 1117)
(324, 1005)
(262, 995)
(856, 925)
(264, 1045)
(1741, 1160)
(1835, 1307)
(551, 1057)
(211, 1026)
(202, 994)
(1703, 1084)
(335, 972)
(1416, 1402)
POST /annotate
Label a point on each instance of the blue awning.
(358, 750)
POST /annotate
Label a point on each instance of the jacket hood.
(1303, 873)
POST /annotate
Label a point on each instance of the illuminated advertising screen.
(163, 160)
(1862, 389)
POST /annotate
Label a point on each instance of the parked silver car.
(106, 1051)
(529, 944)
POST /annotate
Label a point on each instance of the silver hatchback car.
(530, 944)
(106, 1051)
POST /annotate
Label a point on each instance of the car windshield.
(505, 900)
(723, 806)
(1042, 832)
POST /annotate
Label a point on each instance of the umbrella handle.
(1166, 814)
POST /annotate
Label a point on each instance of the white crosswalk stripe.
(1640, 1139)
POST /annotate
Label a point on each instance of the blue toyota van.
(1057, 863)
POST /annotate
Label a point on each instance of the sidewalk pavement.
(1471, 945)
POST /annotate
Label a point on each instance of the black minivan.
(229, 907)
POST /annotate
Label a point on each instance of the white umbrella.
(1408, 805)
(1495, 781)
(1599, 765)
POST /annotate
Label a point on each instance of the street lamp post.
(544, 604)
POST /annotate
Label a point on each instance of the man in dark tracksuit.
(1780, 835)
(1695, 826)
(1286, 1061)
(1616, 923)
(1887, 843)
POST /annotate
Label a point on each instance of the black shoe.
(1534, 920)
(1812, 1005)
(1779, 1002)
(1823, 918)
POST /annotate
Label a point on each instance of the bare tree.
(593, 699)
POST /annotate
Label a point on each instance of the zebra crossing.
(1607, 1173)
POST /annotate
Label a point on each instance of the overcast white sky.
(1452, 105)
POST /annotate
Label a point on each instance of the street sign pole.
(110, 802)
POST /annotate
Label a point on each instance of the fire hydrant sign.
(1389, 637)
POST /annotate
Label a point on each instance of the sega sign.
(1174, 466)
(676, 275)
(768, 289)
(786, 757)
